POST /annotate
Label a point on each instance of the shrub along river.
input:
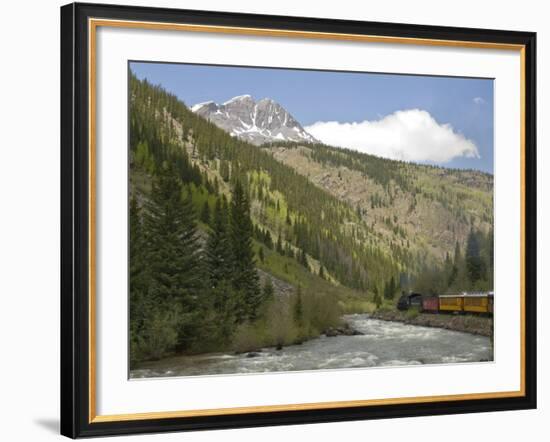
(382, 343)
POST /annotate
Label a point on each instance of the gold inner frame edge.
(93, 24)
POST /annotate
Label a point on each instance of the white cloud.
(479, 100)
(409, 135)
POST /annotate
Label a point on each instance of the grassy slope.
(288, 270)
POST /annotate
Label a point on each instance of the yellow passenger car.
(477, 303)
(451, 303)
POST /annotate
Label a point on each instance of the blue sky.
(453, 111)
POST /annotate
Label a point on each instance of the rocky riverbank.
(345, 329)
(478, 325)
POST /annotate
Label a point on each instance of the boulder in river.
(344, 330)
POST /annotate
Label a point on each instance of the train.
(481, 303)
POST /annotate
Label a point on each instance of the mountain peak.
(267, 100)
(257, 122)
(239, 98)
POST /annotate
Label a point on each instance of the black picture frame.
(75, 221)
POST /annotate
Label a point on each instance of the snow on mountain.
(257, 122)
(238, 98)
(197, 106)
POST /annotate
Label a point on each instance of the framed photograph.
(274, 220)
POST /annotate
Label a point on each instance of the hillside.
(427, 208)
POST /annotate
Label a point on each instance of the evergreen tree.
(268, 241)
(245, 277)
(448, 268)
(473, 258)
(138, 281)
(175, 268)
(268, 290)
(303, 259)
(298, 307)
(216, 186)
(220, 314)
(288, 250)
(224, 170)
(218, 256)
(138, 258)
(279, 246)
(224, 300)
(461, 281)
(205, 213)
(390, 288)
(453, 274)
(377, 299)
(261, 254)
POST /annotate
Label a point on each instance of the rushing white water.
(382, 344)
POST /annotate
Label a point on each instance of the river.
(383, 343)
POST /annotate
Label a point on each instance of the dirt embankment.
(478, 325)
